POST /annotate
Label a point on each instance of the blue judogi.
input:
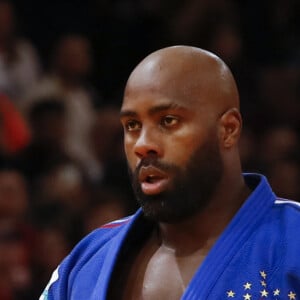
(256, 257)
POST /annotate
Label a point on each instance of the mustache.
(154, 162)
(146, 162)
(151, 161)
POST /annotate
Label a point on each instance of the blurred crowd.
(63, 67)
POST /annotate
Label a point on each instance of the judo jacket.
(256, 257)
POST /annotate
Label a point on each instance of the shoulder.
(286, 214)
(288, 210)
(288, 204)
(95, 247)
(117, 223)
(287, 218)
(98, 240)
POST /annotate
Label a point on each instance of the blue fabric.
(256, 257)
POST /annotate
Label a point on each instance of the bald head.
(180, 114)
(189, 73)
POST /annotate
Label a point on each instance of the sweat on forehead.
(187, 72)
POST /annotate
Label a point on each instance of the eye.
(132, 125)
(169, 121)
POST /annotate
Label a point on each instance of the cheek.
(187, 141)
(180, 150)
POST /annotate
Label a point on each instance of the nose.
(148, 143)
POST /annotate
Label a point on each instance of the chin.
(160, 211)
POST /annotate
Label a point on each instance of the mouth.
(153, 180)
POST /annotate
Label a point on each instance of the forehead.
(157, 85)
(165, 75)
(155, 98)
(152, 105)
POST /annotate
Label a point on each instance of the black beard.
(192, 188)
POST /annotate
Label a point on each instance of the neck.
(200, 231)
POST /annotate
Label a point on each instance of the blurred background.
(63, 67)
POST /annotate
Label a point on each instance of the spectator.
(107, 143)
(15, 134)
(16, 235)
(52, 246)
(46, 150)
(67, 81)
(106, 140)
(19, 62)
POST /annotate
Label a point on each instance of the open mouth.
(153, 180)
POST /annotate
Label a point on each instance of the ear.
(230, 128)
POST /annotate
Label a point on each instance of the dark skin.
(177, 98)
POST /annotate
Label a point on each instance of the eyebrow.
(127, 113)
(152, 110)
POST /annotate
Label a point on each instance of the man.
(205, 230)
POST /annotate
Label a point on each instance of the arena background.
(63, 67)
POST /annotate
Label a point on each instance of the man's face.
(172, 151)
